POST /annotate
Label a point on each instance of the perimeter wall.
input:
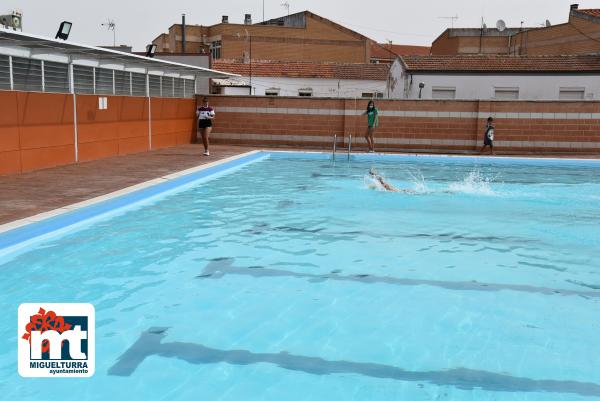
(38, 130)
(540, 127)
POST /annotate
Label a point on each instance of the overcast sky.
(402, 21)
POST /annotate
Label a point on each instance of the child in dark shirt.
(488, 138)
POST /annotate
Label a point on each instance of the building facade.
(302, 36)
(496, 77)
(273, 78)
(579, 35)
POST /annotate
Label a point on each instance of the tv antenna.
(501, 25)
(111, 26)
(452, 19)
(286, 5)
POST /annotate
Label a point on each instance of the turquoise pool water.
(290, 279)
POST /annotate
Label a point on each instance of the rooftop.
(591, 12)
(21, 44)
(502, 63)
(384, 50)
(286, 69)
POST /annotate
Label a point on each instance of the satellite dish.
(548, 23)
(501, 25)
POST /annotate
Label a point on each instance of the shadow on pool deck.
(28, 194)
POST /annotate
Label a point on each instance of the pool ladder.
(335, 146)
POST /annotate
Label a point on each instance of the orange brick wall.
(37, 130)
(579, 36)
(446, 45)
(436, 126)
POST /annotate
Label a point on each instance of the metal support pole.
(72, 88)
(149, 111)
(10, 72)
(43, 77)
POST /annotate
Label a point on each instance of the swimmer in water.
(384, 184)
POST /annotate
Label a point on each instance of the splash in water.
(474, 183)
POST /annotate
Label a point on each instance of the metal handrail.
(349, 147)
(334, 145)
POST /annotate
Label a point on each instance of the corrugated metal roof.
(38, 45)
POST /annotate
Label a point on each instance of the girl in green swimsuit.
(373, 122)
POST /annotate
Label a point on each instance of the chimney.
(248, 19)
(574, 7)
(225, 19)
(183, 33)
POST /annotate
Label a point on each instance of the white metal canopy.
(33, 46)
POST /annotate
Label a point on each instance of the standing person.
(205, 116)
(488, 138)
(373, 122)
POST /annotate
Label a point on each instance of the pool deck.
(29, 194)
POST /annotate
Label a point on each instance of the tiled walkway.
(28, 194)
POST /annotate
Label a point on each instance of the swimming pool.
(289, 279)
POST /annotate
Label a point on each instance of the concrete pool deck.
(29, 194)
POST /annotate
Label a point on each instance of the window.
(215, 50)
(104, 81)
(506, 93)
(272, 92)
(138, 84)
(122, 83)
(178, 88)
(155, 85)
(167, 87)
(306, 92)
(27, 74)
(4, 72)
(189, 87)
(56, 77)
(439, 92)
(83, 78)
(372, 95)
(571, 94)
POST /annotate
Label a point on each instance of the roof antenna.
(450, 18)
(111, 26)
(286, 5)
